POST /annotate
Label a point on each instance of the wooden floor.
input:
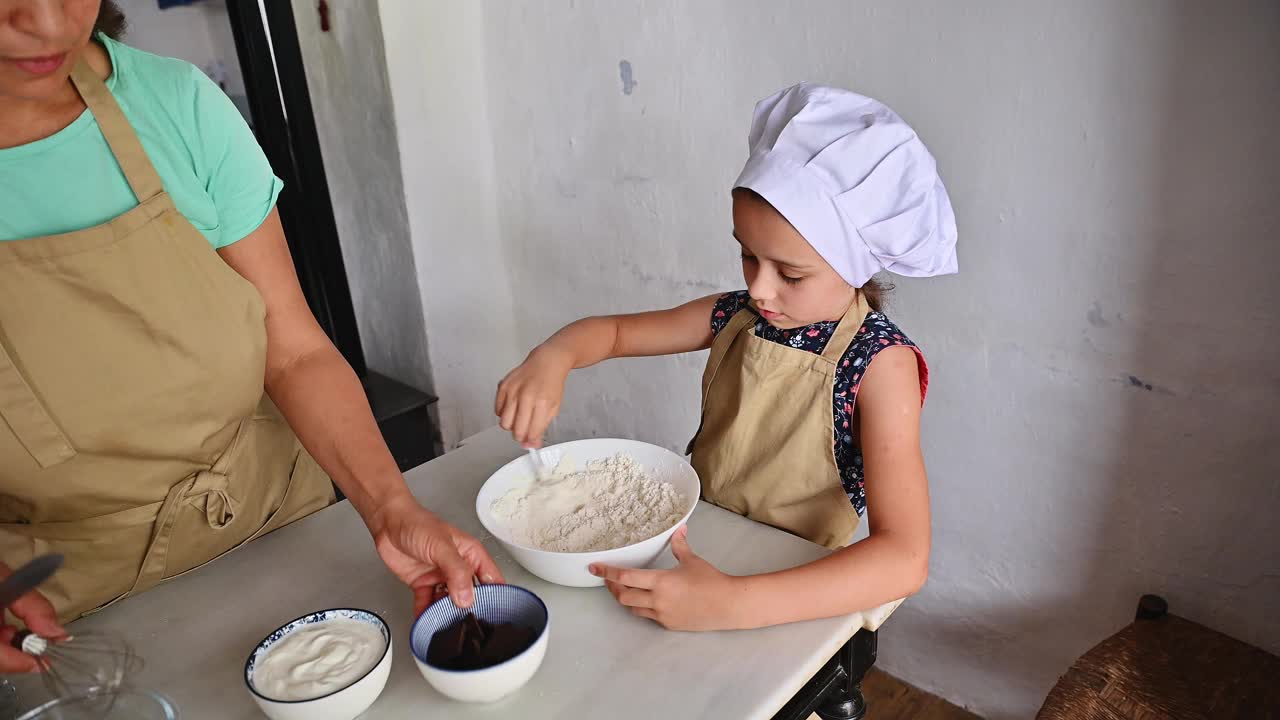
(888, 698)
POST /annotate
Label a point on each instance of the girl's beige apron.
(136, 436)
(766, 448)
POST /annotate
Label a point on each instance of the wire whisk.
(84, 664)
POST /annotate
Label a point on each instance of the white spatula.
(541, 469)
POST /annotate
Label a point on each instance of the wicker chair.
(1165, 667)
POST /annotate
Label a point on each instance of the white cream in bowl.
(318, 659)
(326, 665)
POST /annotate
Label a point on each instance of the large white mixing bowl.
(566, 568)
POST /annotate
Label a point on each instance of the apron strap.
(120, 135)
(26, 416)
(744, 319)
(847, 330)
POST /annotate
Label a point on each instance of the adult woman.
(156, 352)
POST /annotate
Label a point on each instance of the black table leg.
(845, 701)
(835, 693)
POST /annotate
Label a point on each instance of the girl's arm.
(892, 563)
(529, 397)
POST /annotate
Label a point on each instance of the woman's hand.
(529, 396)
(34, 610)
(430, 555)
(693, 596)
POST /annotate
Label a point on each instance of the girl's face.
(40, 41)
(790, 282)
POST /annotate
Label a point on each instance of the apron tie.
(212, 490)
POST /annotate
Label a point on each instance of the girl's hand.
(529, 396)
(693, 596)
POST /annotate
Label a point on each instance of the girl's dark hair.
(110, 20)
(873, 290)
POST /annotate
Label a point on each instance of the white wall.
(1115, 171)
(435, 67)
(351, 98)
(199, 34)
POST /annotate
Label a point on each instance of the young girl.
(811, 397)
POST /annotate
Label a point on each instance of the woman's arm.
(323, 401)
(529, 396)
(892, 563)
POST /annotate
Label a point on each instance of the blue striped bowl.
(496, 604)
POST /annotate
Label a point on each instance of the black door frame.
(285, 125)
(280, 104)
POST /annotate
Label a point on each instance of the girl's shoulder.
(877, 334)
(878, 331)
(726, 307)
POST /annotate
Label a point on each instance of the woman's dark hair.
(110, 20)
(873, 290)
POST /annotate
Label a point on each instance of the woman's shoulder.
(141, 72)
(198, 140)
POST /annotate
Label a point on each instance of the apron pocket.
(28, 418)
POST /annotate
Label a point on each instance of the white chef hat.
(854, 179)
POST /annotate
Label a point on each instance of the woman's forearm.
(311, 383)
(862, 576)
(321, 397)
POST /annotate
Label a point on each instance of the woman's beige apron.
(766, 447)
(136, 438)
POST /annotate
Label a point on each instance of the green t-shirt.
(206, 155)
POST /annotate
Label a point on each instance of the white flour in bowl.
(610, 504)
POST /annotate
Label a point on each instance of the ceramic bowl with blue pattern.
(342, 704)
(495, 604)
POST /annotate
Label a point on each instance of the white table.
(195, 632)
